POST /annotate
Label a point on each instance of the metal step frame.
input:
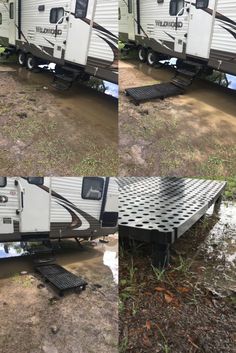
(159, 210)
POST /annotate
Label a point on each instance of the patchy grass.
(103, 162)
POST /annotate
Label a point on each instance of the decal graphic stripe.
(93, 222)
(99, 27)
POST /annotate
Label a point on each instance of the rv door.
(12, 22)
(33, 205)
(79, 31)
(200, 28)
(178, 12)
(58, 17)
(131, 19)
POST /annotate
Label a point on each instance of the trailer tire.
(31, 62)
(142, 54)
(21, 58)
(152, 58)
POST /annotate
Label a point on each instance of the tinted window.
(56, 14)
(0, 18)
(81, 8)
(202, 4)
(176, 6)
(11, 11)
(35, 180)
(130, 7)
(92, 188)
(3, 182)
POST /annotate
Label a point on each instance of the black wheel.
(21, 58)
(152, 58)
(142, 54)
(31, 62)
(160, 255)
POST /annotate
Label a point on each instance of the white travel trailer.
(202, 31)
(80, 36)
(36, 208)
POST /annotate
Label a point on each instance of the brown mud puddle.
(46, 131)
(190, 307)
(34, 320)
(192, 134)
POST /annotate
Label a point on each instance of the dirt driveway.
(188, 135)
(44, 131)
(33, 319)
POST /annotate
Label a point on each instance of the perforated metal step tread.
(159, 209)
(60, 278)
(161, 91)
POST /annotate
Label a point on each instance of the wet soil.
(44, 131)
(191, 306)
(189, 135)
(34, 319)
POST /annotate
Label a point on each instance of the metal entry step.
(157, 91)
(159, 210)
(60, 278)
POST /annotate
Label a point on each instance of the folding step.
(187, 72)
(64, 78)
(192, 63)
(181, 83)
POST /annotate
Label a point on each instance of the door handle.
(21, 194)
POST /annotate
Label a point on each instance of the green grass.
(159, 273)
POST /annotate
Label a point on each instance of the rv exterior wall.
(56, 208)
(223, 46)
(4, 25)
(103, 47)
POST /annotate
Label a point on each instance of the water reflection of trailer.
(159, 210)
(34, 208)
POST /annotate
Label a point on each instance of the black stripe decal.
(230, 31)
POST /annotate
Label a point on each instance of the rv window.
(3, 182)
(202, 4)
(130, 7)
(41, 8)
(81, 8)
(92, 188)
(11, 10)
(0, 18)
(176, 6)
(56, 14)
(35, 180)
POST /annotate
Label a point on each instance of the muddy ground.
(33, 319)
(189, 135)
(190, 307)
(44, 131)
